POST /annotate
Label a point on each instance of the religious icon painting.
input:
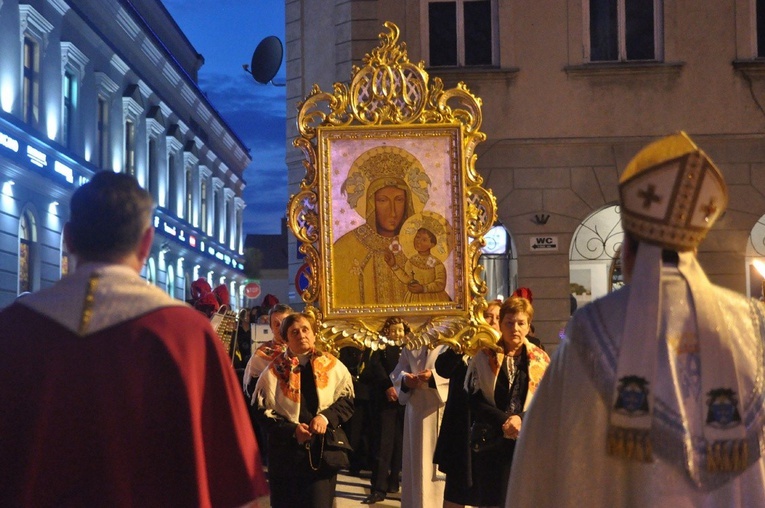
(389, 235)
(391, 214)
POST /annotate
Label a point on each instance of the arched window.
(66, 259)
(170, 282)
(151, 271)
(27, 251)
(594, 255)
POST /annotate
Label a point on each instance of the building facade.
(571, 90)
(111, 85)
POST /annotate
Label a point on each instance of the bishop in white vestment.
(655, 397)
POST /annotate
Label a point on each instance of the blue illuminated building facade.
(111, 85)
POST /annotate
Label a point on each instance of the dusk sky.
(226, 32)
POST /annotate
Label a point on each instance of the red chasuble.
(144, 411)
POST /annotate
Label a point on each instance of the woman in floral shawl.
(302, 394)
(500, 385)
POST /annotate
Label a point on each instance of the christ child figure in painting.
(424, 273)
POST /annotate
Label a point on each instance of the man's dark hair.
(292, 318)
(108, 215)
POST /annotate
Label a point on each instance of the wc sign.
(544, 243)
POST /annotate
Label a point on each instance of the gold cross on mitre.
(709, 209)
(649, 196)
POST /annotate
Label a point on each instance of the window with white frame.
(34, 30)
(106, 88)
(102, 136)
(153, 168)
(217, 228)
(203, 205)
(69, 92)
(760, 26)
(73, 63)
(229, 217)
(189, 195)
(623, 30)
(460, 33)
(30, 90)
(172, 182)
(239, 204)
(186, 189)
(220, 215)
(170, 197)
(132, 109)
(155, 126)
(129, 161)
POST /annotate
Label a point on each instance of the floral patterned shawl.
(484, 369)
(278, 388)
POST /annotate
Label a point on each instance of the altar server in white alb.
(424, 393)
(655, 396)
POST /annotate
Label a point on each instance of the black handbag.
(485, 437)
(334, 450)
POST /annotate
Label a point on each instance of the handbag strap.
(310, 455)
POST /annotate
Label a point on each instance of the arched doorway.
(594, 267)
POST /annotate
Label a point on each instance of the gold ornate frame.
(392, 125)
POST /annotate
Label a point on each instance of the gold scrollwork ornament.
(389, 90)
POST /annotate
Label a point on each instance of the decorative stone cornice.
(33, 23)
(132, 103)
(120, 65)
(155, 121)
(60, 5)
(105, 85)
(73, 58)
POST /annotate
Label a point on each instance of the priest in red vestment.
(112, 392)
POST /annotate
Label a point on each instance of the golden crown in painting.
(386, 163)
(671, 194)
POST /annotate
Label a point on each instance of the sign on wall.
(543, 243)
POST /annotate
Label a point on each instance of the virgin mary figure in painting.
(385, 185)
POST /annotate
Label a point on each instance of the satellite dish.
(266, 60)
